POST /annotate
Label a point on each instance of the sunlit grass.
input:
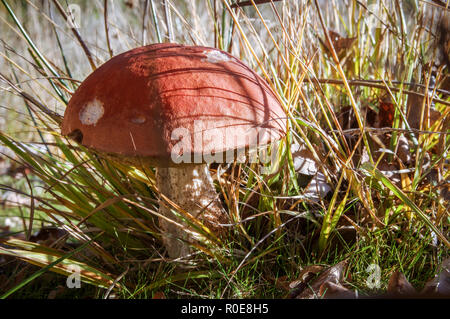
(327, 86)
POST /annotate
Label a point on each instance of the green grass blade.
(403, 197)
(30, 257)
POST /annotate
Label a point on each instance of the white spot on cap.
(214, 56)
(91, 112)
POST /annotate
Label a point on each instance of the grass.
(331, 86)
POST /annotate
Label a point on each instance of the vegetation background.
(366, 90)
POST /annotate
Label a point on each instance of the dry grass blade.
(50, 259)
(105, 17)
(402, 196)
(54, 116)
(249, 3)
(385, 197)
(77, 35)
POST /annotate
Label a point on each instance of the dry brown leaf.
(340, 43)
(386, 112)
(333, 275)
(400, 286)
(56, 292)
(131, 3)
(159, 295)
(414, 107)
(48, 235)
(329, 290)
(440, 284)
(305, 275)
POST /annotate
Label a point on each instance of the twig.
(369, 82)
(115, 281)
(249, 3)
(61, 50)
(168, 17)
(380, 130)
(155, 20)
(28, 107)
(373, 83)
(77, 35)
(105, 16)
(144, 23)
(53, 115)
(28, 39)
(438, 3)
(356, 110)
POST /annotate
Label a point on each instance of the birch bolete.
(176, 108)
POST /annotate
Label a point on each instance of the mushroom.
(176, 108)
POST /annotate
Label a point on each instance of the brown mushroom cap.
(140, 103)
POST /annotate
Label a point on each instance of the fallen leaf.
(56, 292)
(414, 107)
(330, 290)
(159, 295)
(390, 171)
(444, 192)
(333, 275)
(43, 256)
(305, 276)
(440, 284)
(399, 286)
(403, 150)
(317, 188)
(340, 43)
(131, 3)
(443, 38)
(386, 112)
(304, 162)
(48, 235)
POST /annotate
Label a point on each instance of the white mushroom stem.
(191, 188)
